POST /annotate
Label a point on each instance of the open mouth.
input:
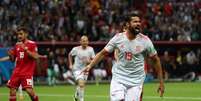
(137, 29)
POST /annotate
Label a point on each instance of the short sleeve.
(73, 52)
(92, 53)
(151, 51)
(111, 44)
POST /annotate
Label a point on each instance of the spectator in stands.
(191, 58)
(50, 71)
(54, 20)
(168, 65)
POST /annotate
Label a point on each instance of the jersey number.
(128, 56)
(29, 82)
(21, 55)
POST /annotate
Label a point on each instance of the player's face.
(135, 25)
(21, 35)
(84, 41)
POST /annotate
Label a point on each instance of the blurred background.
(174, 26)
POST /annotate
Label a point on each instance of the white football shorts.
(123, 92)
(79, 76)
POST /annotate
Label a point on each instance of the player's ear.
(25, 34)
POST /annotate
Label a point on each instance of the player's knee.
(81, 85)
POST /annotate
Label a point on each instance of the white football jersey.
(129, 69)
(81, 56)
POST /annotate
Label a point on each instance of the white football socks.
(79, 93)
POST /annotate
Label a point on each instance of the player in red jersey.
(24, 54)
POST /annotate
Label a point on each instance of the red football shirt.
(25, 64)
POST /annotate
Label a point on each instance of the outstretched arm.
(157, 65)
(6, 58)
(96, 60)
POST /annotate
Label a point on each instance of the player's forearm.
(6, 58)
(70, 61)
(33, 55)
(97, 58)
(159, 69)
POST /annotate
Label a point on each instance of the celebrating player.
(83, 55)
(24, 54)
(128, 73)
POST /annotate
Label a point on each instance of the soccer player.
(25, 55)
(83, 55)
(128, 73)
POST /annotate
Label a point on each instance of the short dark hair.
(21, 28)
(128, 17)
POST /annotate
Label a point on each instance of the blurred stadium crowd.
(68, 20)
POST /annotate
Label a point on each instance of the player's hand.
(88, 61)
(10, 52)
(161, 89)
(86, 70)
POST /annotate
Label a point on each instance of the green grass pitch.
(173, 92)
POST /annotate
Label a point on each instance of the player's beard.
(135, 30)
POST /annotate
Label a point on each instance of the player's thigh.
(79, 76)
(117, 91)
(27, 82)
(134, 93)
(14, 82)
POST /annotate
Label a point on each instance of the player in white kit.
(83, 55)
(128, 73)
